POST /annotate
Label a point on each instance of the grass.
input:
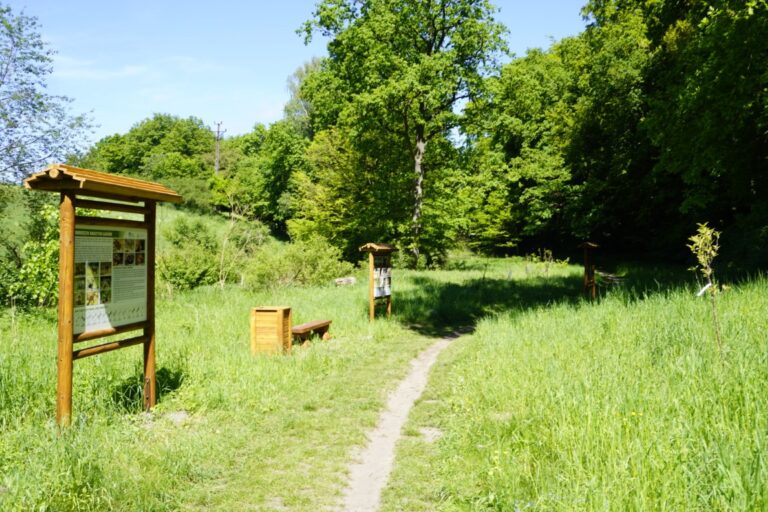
(231, 431)
(623, 404)
(553, 403)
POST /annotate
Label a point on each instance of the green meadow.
(552, 403)
(622, 404)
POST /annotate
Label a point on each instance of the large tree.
(35, 126)
(404, 65)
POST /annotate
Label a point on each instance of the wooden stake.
(371, 297)
(150, 392)
(66, 308)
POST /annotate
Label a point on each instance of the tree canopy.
(402, 67)
(653, 119)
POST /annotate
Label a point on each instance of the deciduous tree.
(35, 126)
(404, 66)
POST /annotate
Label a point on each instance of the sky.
(221, 61)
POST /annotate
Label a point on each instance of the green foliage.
(303, 263)
(705, 246)
(36, 282)
(157, 148)
(191, 259)
(396, 69)
(35, 126)
(652, 117)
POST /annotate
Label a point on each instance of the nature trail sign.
(379, 275)
(106, 269)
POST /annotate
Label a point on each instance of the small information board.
(379, 275)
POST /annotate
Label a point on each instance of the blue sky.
(220, 61)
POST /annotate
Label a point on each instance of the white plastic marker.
(706, 287)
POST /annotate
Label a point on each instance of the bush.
(192, 259)
(308, 262)
(35, 282)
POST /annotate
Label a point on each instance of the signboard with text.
(110, 288)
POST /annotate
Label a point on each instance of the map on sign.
(382, 276)
(110, 286)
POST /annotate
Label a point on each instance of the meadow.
(552, 403)
(621, 404)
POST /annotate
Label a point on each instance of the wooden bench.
(609, 280)
(305, 330)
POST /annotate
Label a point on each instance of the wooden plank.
(310, 326)
(92, 335)
(150, 384)
(112, 207)
(118, 223)
(107, 347)
(66, 309)
(371, 296)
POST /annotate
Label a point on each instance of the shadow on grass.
(129, 394)
(437, 308)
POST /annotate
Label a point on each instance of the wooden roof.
(374, 247)
(61, 177)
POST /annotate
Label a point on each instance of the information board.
(110, 286)
(382, 276)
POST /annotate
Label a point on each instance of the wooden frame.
(136, 197)
(383, 252)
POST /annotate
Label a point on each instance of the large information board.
(110, 288)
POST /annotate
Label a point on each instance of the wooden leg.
(66, 309)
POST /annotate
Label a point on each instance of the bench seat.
(305, 330)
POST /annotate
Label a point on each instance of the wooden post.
(66, 308)
(590, 284)
(150, 385)
(371, 284)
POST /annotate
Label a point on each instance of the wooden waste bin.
(271, 329)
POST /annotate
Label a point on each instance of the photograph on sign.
(110, 285)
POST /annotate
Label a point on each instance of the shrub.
(307, 262)
(35, 283)
(191, 260)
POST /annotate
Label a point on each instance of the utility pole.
(219, 135)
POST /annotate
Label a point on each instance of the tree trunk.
(418, 191)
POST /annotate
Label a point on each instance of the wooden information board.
(379, 275)
(106, 269)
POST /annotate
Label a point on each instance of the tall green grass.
(621, 404)
(231, 431)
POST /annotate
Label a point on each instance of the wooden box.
(271, 329)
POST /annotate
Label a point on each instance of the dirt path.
(370, 471)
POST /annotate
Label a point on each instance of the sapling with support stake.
(705, 246)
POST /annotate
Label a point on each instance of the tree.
(35, 126)
(299, 108)
(405, 65)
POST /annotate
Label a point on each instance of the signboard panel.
(382, 276)
(110, 288)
